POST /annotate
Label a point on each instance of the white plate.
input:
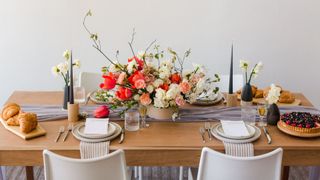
(250, 129)
(109, 138)
(111, 130)
(207, 102)
(221, 138)
(93, 98)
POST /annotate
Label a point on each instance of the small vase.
(65, 97)
(273, 115)
(160, 113)
(246, 94)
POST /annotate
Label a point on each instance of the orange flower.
(184, 87)
(145, 99)
(121, 78)
(175, 78)
(139, 84)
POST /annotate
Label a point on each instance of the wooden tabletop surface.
(163, 143)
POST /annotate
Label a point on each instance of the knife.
(122, 135)
(267, 134)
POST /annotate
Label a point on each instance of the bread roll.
(10, 110)
(28, 122)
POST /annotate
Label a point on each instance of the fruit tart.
(302, 122)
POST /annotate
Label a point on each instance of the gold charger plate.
(296, 102)
(297, 134)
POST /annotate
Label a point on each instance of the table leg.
(29, 172)
(285, 172)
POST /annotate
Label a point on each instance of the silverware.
(202, 132)
(265, 130)
(207, 127)
(61, 130)
(122, 135)
(70, 127)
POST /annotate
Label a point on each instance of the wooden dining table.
(161, 144)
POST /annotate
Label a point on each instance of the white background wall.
(284, 34)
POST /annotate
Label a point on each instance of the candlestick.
(71, 98)
(231, 73)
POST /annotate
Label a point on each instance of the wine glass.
(262, 112)
(143, 115)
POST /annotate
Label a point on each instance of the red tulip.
(175, 78)
(137, 75)
(123, 93)
(109, 82)
(101, 112)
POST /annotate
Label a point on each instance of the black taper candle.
(71, 97)
(231, 73)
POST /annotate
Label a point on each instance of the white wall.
(284, 34)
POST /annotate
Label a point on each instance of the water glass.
(79, 95)
(143, 115)
(248, 115)
(132, 120)
(262, 112)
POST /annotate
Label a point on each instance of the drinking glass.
(131, 120)
(79, 95)
(248, 115)
(143, 115)
(262, 112)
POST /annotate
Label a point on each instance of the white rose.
(157, 83)
(160, 93)
(150, 88)
(173, 91)
(131, 65)
(136, 97)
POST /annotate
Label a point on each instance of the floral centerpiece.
(246, 95)
(62, 69)
(150, 79)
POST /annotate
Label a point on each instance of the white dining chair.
(215, 165)
(111, 166)
(224, 82)
(90, 81)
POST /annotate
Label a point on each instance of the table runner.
(192, 114)
(90, 150)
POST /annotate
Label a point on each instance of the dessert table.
(162, 144)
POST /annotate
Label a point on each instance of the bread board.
(39, 131)
(296, 102)
(297, 134)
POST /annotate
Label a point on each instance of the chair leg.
(29, 172)
(3, 173)
(140, 172)
(135, 170)
(285, 172)
(314, 173)
(181, 173)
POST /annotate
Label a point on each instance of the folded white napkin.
(234, 128)
(96, 126)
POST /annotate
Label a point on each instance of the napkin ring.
(232, 100)
(73, 112)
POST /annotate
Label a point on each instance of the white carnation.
(173, 91)
(150, 88)
(157, 83)
(160, 93)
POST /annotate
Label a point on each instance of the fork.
(207, 127)
(70, 127)
(202, 132)
(61, 130)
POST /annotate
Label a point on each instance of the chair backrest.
(90, 81)
(224, 82)
(215, 165)
(111, 166)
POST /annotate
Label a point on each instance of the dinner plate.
(109, 138)
(250, 129)
(207, 102)
(221, 138)
(111, 130)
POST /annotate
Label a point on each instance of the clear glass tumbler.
(248, 115)
(79, 95)
(143, 115)
(132, 120)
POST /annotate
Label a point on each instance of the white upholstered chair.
(215, 165)
(90, 81)
(111, 166)
(224, 82)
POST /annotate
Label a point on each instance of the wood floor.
(149, 173)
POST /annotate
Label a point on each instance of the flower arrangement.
(244, 65)
(155, 78)
(62, 68)
(273, 95)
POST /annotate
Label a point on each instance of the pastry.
(10, 110)
(13, 121)
(302, 122)
(28, 122)
(286, 97)
(259, 93)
